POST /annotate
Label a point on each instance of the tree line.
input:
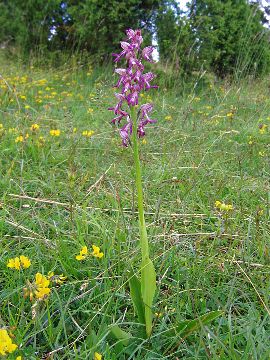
(222, 36)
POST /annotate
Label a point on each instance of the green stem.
(142, 226)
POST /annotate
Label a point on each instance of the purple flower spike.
(125, 133)
(132, 81)
(147, 53)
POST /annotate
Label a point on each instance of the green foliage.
(148, 288)
(91, 25)
(120, 335)
(27, 24)
(98, 26)
(226, 37)
(64, 192)
(136, 296)
(230, 36)
(187, 327)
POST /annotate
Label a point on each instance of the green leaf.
(121, 335)
(187, 327)
(148, 286)
(136, 296)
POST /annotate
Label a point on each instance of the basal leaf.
(121, 335)
(136, 296)
(187, 327)
(148, 286)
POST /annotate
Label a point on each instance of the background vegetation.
(228, 37)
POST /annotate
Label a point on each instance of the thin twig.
(92, 187)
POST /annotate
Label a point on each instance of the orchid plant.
(132, 120)
(132, 81)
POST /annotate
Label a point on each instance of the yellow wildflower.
(230, 114)
(27, 107)
(57, 279)
(19, 263)
(260, 212)
(262, 153)
(41, 280)
(90, 110)
(39, 288)
(96, 252)
(25, 262)
(6, 344)
(97, 356)
(168, 118)
(18, 358)
(55, 132)
(34, 127)
(42, 292)
(88, 133)
(262, 128)
(74, 130)
(14, 263)
(83, 253)
(19, 139)
(144, 141)
(42, 286)
(223, 206)
(23, 97)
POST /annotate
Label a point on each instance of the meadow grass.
(60, 193)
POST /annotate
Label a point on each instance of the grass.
(61, 193)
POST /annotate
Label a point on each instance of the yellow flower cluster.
(39, 289)
(42, 286)
(34, 127)
(55, 132)
(96, 252)
(88, 133)
(223, 207)
(6, 344)
(18, 263)
(168, 117)
(84, 253)
(57, 279)
(19, 139)
(262, 128)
